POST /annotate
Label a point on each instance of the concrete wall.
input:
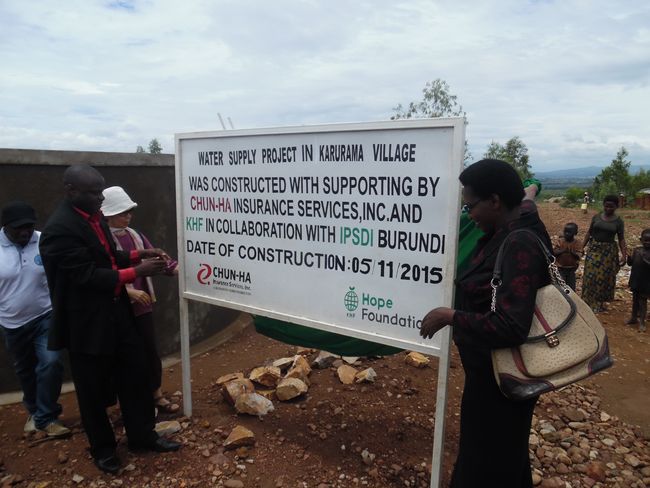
(36, 176)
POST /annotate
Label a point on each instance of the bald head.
(83, 187)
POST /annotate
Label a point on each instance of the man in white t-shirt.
(25, 311)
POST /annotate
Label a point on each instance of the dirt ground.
(317, 440)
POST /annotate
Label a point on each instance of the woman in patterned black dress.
(493, 446)
(601, 255)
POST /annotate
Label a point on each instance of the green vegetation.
(514, 152)
(574, 195)
(437, 101)
(616, 179)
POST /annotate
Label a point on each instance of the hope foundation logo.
(351, 301)
(204, 274)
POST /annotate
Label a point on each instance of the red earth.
(318, 439)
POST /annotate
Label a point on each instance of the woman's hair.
(611, 198)
(493, 176)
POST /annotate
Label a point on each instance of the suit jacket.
(82, 284)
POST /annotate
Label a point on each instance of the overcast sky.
(570, 78)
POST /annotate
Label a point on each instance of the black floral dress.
(493, 447)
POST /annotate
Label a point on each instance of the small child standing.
(567, 254)
(640, 281)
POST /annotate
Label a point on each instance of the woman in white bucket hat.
(118, 208)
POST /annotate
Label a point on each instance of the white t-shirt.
(24, 295)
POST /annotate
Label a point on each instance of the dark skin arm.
(150, 267)
(623, 246)
(436, 320)
(587, 238)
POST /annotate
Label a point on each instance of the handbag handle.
(554, 273)
(550, 260)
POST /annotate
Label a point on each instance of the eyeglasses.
(467, 208)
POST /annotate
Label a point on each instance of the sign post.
(349, 228)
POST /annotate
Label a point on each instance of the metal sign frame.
(443, 338)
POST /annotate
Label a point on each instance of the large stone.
(268, 394)
(234, 388)
(346, 374)
(555, 482)
(416, 359)
(283, 363)
(596, 471)
(290, 388)
(222, 380)
(366, 376)
(238, 437)
(632, 460)
(167, 428)
(350, 359)
(253, 404)
(266, 375)
(324, 360)
(575, 415)
(300, 369)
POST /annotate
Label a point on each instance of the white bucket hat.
(116, 201)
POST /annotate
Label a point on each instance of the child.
(567, 254)
(640, 281)
(118, 209)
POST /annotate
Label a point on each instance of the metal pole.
(221, 120)
(185, 357)
(183, 314)
(441, 407)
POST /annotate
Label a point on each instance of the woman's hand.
(435, 320)
(139, 296)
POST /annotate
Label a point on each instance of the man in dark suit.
(93, 317)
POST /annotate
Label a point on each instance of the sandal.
(165, 406)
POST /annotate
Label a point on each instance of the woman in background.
(118, 208)
(601, 258)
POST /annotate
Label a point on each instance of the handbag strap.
(554, 273)
(550, 258)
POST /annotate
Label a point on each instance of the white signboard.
(350, 228)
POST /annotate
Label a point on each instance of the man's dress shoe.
(159, 445)
(109, 464)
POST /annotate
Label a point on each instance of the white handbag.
(566, 342)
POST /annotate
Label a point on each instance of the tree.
(154, 147)
(639, 181)
(615, 178)
(574, 195)
(436, 101)
(514, 152)
(139, 149)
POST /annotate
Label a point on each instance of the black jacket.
(82, 284)
(476, 329)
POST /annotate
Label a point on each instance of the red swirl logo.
(203, 275)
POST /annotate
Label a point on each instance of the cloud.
(570, 78)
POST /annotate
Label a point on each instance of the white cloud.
(571, 78)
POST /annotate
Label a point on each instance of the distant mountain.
(587, 172)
